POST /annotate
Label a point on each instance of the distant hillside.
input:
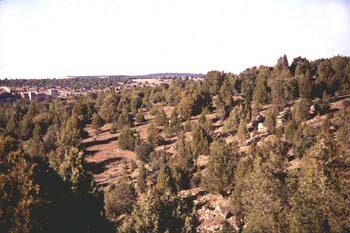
(156, 75)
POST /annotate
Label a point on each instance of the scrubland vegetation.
(267, 150)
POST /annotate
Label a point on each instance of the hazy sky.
(80, 37)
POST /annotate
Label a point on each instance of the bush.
(140, 118)
(153, 111)
(153, 136)
(97, 121)
(301, 110)
(173, 126)
(143, 151)
(124, 120)
(290, 130)
(160, 118)
(113, 128)
(166, 213)
(119, 198)
(200, 141)
(127, 140)
(222, 163)
(196, 179)
(270, 120)
(141, 179)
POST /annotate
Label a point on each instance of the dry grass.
(105, 159)
(107, 162)
(294, 164)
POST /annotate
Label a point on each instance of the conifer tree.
(270, 120)
(135, 103)
(173, 126)
(290, 130)
(307, 214)
(300, 110)
(232, 122)
(263, 198)
(244, 167)
(97, 121)
(165, 180)
(153, 136)
(305, 85)
(221, 167)
(202, 119)
(12, 128)
(278, 92)
(184, 158)
(36, 145)
(261, 94)
(183, 165)
(124, 119)
(242, 132)
(17, 195)
(200, 141)
(27, 127)
(162, 213)
(140, 117)
(126, 139)
(120, 198)
(143, 150)
(72, 168)
(160, 118)
(108, 105)
(141, 179)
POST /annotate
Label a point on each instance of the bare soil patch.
(105, 160)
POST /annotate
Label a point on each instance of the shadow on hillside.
(142, 123)
(341, 97)
(168, 142)
(97, 168)
(100, 142)
(91, 152)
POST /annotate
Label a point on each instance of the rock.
(215, 211)
(312, 109)
(261, 128)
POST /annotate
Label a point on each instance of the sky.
(55, 38)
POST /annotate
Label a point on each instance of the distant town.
(40, 89)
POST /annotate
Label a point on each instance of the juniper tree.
(140, 117)
(141, 179)
(221, 166)
(183, 164)
(242, 132)
(305, 85)
(261, 94)
(36, 145)
(143, 150)
(97, 121)
(200, 141)
(161, 213)
(126, 139)
(153, 136)
(124, 119)
(263, 191)
(173, 126)
(300, 110)
(232, 122)
(165, 180)
(270, 120)
(290, 130)
(119, 198)
(160, 118)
